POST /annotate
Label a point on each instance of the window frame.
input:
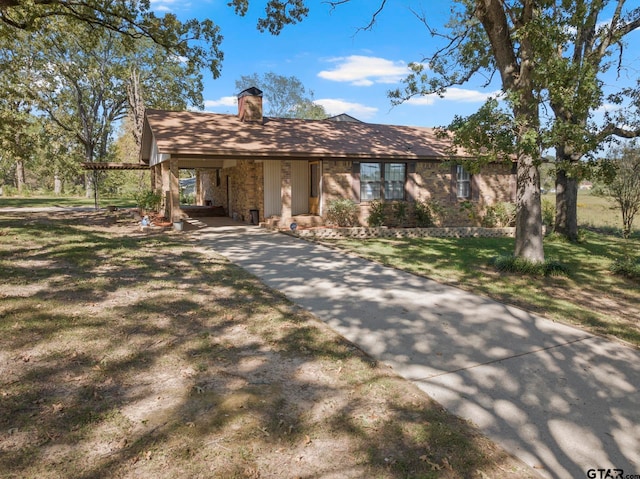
(463, 179)
(384, 185)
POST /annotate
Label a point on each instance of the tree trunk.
(136, 104)
(529, 212)
(515, 64)
(566, 222)
(20, 176)
(57, 185)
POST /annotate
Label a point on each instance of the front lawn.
(591, 296)
(143, 355)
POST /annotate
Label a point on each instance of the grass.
(595, 212)
(125, 354)
(41, 201)
(587, 294)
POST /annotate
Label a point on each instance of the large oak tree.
(195, 40)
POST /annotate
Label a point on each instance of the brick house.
(278, 170)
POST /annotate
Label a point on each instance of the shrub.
(469, 209)
(148, 200)
(342, 212)
(548, 213)
(627, 267)
(187, 199)
(427, 213)
(400, 213)
(377, 215)
(512, 264)
(499, 215)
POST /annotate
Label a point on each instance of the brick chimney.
(250, 105)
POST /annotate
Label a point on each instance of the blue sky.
(349, 70)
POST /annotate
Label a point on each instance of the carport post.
(174, 191)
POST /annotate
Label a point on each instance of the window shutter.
(475, 189)
(454, 183)
(410, 183)
(355, 181)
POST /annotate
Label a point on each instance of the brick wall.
(246, 182)
(205, 184)
(431, 181)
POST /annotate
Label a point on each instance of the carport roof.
(226, 136)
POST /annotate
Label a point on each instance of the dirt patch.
(137, 354)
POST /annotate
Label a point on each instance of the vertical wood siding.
(299, 187)
(272, 188)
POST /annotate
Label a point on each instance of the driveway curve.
(558, 398)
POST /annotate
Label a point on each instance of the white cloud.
(335, 106)
(459, 95)
(365, 71)
(167, 5)
(607, 108)
(223, 101)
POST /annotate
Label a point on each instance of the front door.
(314, 187)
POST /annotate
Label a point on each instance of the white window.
(463, 180)
(382, 181)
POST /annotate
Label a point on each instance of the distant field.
(594, 211)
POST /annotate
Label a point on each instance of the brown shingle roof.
(217, 135)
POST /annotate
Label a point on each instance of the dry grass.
(125, 354)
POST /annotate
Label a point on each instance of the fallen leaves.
(434, 465)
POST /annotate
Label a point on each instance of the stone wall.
(205, 184)
(384, 232)
(246, 184)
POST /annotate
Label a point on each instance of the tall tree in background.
(286, 97)
(156, 80)
(195, 41)
(81, 86)
(19, 127)
(79, 76)
(586, 36)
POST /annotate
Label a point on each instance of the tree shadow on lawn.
(590, 295)
(535, 385)
(142, 357)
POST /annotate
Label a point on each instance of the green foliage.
(148, 200)
(627, 267)
(342, 212)
(63, 88)
(427, 213)
(400, 212)
(187, 199)
(548, 213)
(621, 175)
(377, 214)
(499, 215)
(469, 209)
(513, 264)
(195, 41)
(488, 134)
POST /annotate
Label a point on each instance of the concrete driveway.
(560, 399)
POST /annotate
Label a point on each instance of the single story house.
(280, 170)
